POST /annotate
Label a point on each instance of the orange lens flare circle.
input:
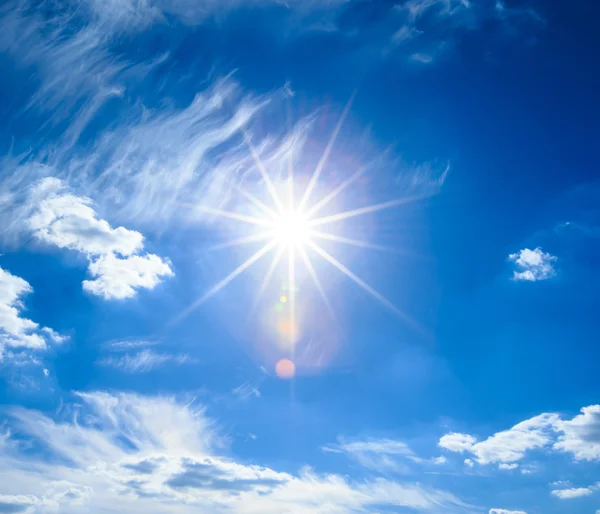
(285, 369)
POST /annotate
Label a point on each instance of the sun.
(291, 230)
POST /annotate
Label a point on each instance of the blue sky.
(299, 257)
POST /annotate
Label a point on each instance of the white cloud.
(119, 278)
(457, 442)
(60, 218)
(469, 463)
(533, 265)
(504, 511)
(574, 492)
(69, 221)
(508, 467)
(508, 446)
(15, 330)
(144, 361)
(128, 453)
(581, 435)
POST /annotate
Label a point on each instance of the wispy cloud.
(504, 511)
(533, 265)
(246, 391)
(122, 345)
(144, 361)
(383, 455)
(428, 28)
(139, 454)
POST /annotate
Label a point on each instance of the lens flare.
(285, 368)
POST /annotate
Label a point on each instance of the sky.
(299, 256)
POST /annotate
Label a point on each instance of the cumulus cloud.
(154, 454)
(579, 436)
(574, 492)
(144, 361)
(508, 467)
(504, 511)
(533, 265)
(67, 221)
(15, 330)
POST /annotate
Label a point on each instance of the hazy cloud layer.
(140, 454)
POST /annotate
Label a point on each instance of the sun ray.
(349, 241)
(364, 210)
(312, 272)
(266, 280)
(352, 178)
(220, 285)
(263, 171)
(325, 156)
(263, 207)
(378, 296)
(234, 216)
(254, 238)
(292, 298)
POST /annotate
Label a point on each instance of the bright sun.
(293, 228)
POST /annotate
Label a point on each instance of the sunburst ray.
(263, 171)
(378, 296)
(312, 272)
(220, 285)
(365, 210)
(315, 176)
(322, 203)
(254, 238)
(233, 215)
(261, 205)
(346, 240)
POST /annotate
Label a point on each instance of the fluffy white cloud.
(504, 511)
(508, 467)
(119, 278)
(62, 219)
(579, 436)
(144, 361)
(533, 265)
(127, 453)
(15, 330)
(574, 492)
(457, 442)
(69, 221)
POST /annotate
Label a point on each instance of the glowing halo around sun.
(291, 230)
